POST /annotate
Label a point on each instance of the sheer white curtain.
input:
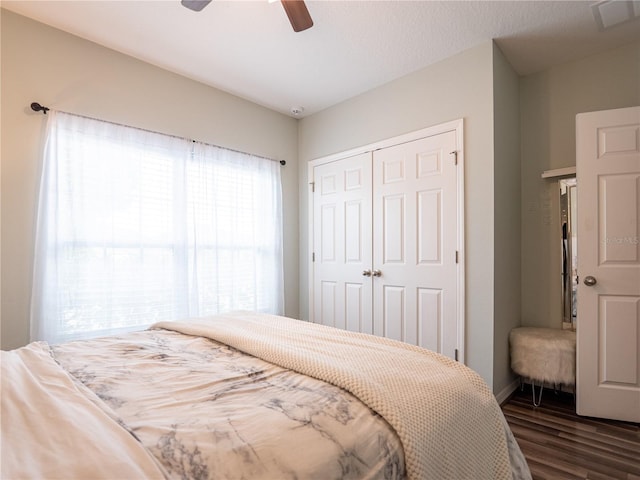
(136, 227)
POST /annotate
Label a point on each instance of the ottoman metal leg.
(533, 393)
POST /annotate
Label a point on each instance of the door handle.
(590, 281)
(377, 273)
(366, 273)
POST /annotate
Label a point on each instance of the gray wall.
(549, 102)
(458, 87)
(506, 174)
(67, 73)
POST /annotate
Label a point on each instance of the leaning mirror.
(569, 232)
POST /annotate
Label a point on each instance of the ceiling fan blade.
(298, 14)
(195, 5)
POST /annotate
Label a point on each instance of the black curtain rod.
(36, 107)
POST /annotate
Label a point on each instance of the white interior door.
(608, 324)
(342, 243)
(415, 242)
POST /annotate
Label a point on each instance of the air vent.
(611, 13)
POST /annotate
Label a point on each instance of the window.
(136, 227)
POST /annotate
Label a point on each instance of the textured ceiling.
(249, 49)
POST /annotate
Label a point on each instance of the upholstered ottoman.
(544, 355)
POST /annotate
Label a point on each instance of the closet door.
(342, 244)
(415, 240)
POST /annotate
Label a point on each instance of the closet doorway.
(387, 239)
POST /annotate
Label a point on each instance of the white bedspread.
(181, 401)
(446, 417)
(52, 430)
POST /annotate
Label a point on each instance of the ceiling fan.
(296, 11)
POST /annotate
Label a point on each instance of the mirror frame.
(569, 254)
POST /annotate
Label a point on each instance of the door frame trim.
(456, 126)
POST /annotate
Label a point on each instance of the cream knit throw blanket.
(449, 423)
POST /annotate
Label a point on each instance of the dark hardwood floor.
(558, 444)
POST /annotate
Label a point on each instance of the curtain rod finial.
(36, 107)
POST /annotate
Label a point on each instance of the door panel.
(430, 319)
(353, 232)
(619, 218)
(328, 303)
(393, 314)
(414, 188)
(354, 307)
(429, 229)
(394, 232)
(608, 324)
(342, 243)
(618, 340)
(329, 233)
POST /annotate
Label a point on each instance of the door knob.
(377, 273)
(590, 281)
(366, 273)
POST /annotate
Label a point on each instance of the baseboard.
(506, 392)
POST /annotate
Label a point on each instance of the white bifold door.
(386, 243)
(608, 322)
(342, 294)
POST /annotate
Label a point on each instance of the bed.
(248, 396)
